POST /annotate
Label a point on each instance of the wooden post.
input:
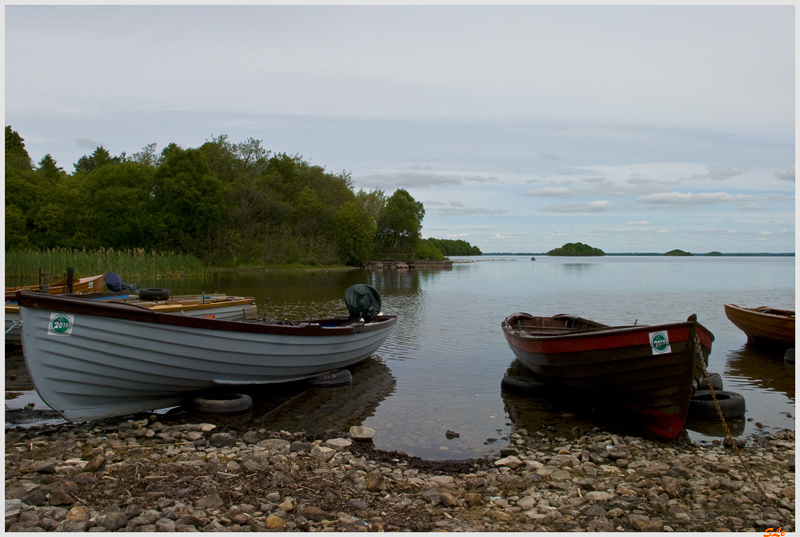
(70, 277)
(43, 287)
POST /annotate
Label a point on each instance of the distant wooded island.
(576, 249)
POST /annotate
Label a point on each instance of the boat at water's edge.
(90, 284)
(649, 372)
(224, 307)
(91, 359)
(763, 324)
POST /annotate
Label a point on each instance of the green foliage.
(24, 265)
(354, 232)
(678, 253)
(189, 202)
(49, 170)
(427, 249)
(576, 249)
(455, 247)
(372, 202)
(399, 225)
(15, 228)
(715, 253)
(227, 203)
(101, 157)
(125, 211)
(16, 155)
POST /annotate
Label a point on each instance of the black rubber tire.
(716, 382)
(332, 379)
(223, 403)
(702, 407)
(522, 385)
(153, 293)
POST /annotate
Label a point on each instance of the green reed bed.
(130, 264)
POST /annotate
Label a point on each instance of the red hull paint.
(616, 366)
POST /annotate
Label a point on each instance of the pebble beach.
(156, 473)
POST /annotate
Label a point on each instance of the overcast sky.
(521, 128)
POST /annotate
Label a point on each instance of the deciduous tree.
(399, 225)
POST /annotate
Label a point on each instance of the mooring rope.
(14, 324)
(699, 354)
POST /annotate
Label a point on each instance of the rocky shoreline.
(160, 474)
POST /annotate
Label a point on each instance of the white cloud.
(480, 179)
(408, 179)
(467, 211)
(677, 199)
(591, 207)
(557, 192)
(787, 174)
(719, 172)
(386, 92)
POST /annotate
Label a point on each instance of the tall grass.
(130, 264)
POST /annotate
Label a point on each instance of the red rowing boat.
(650, 372)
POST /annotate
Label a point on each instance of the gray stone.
(212, 501)
(358, 503)
(220, 440)
(97, 464)
(315, 513)
(362, 434)
(45, 467)
(165, 524)
(115, 521)
(300, 447)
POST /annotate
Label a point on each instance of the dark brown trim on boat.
(133, 312)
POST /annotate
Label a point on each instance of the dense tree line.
(455, 247)
(226, 203)
(576, 249)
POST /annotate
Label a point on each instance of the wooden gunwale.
(775, 324)
(133, 312)
(79, 285)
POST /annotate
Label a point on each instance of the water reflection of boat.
(534, 406)
(648, 372)
(763, 324)
(91, 360)
(303, 407)
(713, 428)
(760, 368)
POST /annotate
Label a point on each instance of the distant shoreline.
(650, 254)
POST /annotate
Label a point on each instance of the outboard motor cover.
(114, 283)
(362, 301)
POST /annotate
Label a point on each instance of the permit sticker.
(60, 324)
(659, 342)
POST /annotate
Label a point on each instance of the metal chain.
(699, 354)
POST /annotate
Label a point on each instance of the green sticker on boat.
(659, 342)
(60, 324)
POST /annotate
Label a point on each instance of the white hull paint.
(110, 366)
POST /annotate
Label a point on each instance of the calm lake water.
(442, 367)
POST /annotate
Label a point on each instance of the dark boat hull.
(763, 324)
(649, 372)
